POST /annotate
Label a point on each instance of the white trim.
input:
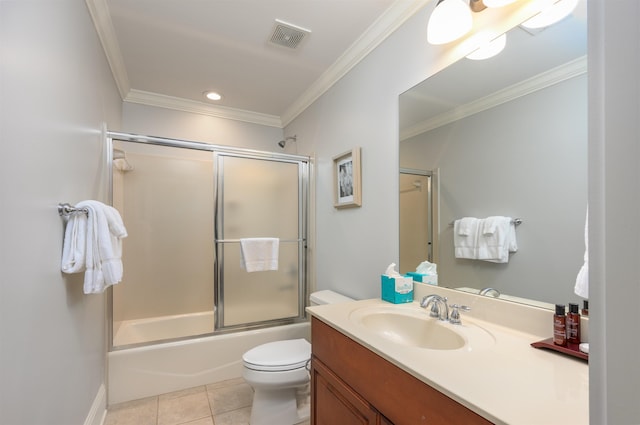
(396, 15)
(546, 79)
(180, 104)
(99, 12)
(98, 411)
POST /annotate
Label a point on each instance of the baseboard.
(98, 410)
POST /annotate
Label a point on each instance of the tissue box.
(424, 278)
(397, 289)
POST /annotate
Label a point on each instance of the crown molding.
(546, 79)
(184, 105)
(99, 12)
(387, 23)
(396, 15)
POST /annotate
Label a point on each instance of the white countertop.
(508, 382)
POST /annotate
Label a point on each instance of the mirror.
(507, 136)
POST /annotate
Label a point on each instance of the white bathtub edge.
(157, 369)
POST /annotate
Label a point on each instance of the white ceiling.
(167, 53)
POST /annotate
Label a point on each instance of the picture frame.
(347, 183)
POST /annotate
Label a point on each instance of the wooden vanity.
(352, 385)
(362, 375)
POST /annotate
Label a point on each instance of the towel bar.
(515, 221)
(66, 209)
(238, 240)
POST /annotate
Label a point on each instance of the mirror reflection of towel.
(259, 254)
(582, 280)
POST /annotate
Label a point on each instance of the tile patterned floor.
(222, 403)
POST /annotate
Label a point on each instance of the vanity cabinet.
(351, 384)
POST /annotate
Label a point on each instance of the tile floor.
(222, 403)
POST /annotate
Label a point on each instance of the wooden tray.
(571, 349)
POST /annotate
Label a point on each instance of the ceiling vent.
(288, 35)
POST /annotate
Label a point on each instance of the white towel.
(465, 237)
(93, 244)
(259, 254)
(496, 239)
(582, 280)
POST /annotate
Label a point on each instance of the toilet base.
(287, 406)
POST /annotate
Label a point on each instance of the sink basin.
(413, 327)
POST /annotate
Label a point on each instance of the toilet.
(278, 372)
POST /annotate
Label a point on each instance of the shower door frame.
(303, 196)
(303, 217)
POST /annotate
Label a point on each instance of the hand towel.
(93, 244)
(496, 239)
(582, 280)
(465, 237)
(259, 254)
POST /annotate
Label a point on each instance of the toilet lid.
(278, 355)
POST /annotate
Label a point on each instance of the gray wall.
(56, 91)
(525, 158)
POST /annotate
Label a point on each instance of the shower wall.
(167, 205)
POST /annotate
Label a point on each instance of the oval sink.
(413, 327)
(411, 330)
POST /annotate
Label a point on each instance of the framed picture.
(347, 184)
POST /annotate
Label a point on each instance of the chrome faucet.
(487, 291)
(436, 302)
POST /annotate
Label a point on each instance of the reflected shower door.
(259, 197)
(415, 220)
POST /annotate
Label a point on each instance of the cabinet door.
(333, 402)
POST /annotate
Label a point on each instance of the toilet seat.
(278, 356)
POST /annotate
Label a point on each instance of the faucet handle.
(454, 318)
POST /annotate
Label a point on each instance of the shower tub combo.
(186, 310)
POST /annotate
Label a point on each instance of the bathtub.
(165, 327)
(139, 372)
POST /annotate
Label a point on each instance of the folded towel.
(93, 244)
(465, 237)
(259, 254)
(582, 280)
(497, 239)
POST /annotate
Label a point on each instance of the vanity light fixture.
(211, 95)
(556, 11)
(451, 19)
(498, 3)
(490, 49)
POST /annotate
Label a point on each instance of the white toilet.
(278, 372)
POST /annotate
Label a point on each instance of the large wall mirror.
(506, 136)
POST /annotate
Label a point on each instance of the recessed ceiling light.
(211, 95)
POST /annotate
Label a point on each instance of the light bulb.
(211, 95)
(450, 20)
(552, 14)
(489, 49)
(497, 3)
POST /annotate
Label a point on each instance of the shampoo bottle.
(560, 326)
(573, 324)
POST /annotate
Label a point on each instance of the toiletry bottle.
(573, 324)
(585, 307)
(560, 326)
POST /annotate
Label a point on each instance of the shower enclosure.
(186, 205)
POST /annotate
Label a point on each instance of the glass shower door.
(259, 197)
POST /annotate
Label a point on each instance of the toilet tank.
(327, 297)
